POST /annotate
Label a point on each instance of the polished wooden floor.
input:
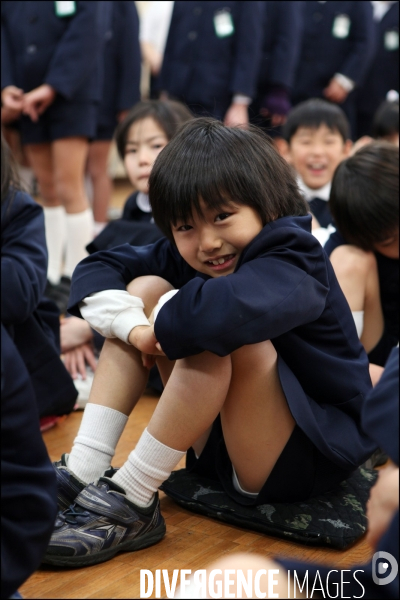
(191, 541)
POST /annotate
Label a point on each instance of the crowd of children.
(256, 290)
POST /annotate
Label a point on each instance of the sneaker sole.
(144, 541)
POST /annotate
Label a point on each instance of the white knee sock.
(94, 446)
(150, 463)
(56, 234)
(79, 234)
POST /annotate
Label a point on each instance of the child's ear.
(283, 148)
(347, 148)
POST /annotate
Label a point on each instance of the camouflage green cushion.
(335, 519)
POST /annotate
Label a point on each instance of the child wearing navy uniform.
(337, 49)
(212, 55)
(364, 249)
(247, 304)
(383, 73)
(316, 135)
(120, 91)
(50, 75)
(140, 137)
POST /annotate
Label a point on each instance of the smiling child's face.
(315, 153)
(144, 142)
(212, 243)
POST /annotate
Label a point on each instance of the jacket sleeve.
(248, 48)
(23, 258)
(129, 56)
(114, 269)
(265, 298)
(77, 52)
(363, 43)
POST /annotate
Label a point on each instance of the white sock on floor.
(56, 235)
(94, 446)
(79, 234)
(148, 465)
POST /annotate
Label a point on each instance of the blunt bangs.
(217, 164)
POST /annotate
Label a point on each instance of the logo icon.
(384, 564)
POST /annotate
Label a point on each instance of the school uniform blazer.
(28, 481)
(121, 58)
(200, 67)
(383, 74)
(322, 54)
(32, 320)
(282, 32)
(39, 47)
(284, 290)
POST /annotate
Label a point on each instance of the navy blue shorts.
(62, 119)
(300, 473)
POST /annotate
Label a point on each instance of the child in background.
(248, 306)
(364, 250)
(317, 136)
(140, 137)
(385, 125)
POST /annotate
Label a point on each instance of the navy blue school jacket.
(201, 68)
(40, 47)
(282, 32)
(383, 74)
(284, 290)
(121, 62)
(380, 418)
(323, 54)
(32, 320)
(28, 483)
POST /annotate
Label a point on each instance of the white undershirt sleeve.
(163, 299)
(113, 313)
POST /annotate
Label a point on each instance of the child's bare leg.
(119, 382)
(256, 420)
(246, 390)
(357, 273)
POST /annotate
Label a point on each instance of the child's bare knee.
(149, 288)
(349, 261)
(248, 357)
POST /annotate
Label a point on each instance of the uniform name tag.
(391, 40)
(223, 24)
(341, 26)
(65, 8)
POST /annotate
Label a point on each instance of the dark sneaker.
(101, 523)
(68, 484)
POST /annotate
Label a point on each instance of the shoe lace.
(74, 514)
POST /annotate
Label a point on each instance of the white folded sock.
(358, 316)
(79, 234)
(148, 465)
(56, 235)
(94, 446)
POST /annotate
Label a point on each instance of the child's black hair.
(364, 199)
(168, 114)
(313, 113)
(386, 120)
(209, 161)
